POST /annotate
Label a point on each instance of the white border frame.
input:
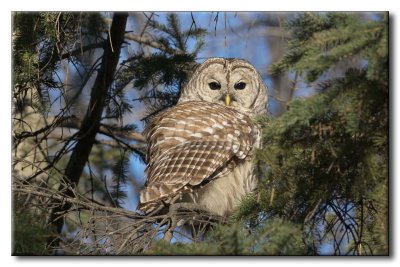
(180, 5)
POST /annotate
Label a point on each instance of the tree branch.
(81, 203)
(91, 122)
(108, 130)
(138, 148)
(147, 41)
(126, 232)
(81, 50)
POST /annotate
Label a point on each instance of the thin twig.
(149, 42)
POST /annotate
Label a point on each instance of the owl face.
(231, 82)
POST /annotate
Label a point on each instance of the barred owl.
(202, 150)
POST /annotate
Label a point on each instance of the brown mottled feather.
(190, 144)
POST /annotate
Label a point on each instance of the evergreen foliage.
(120, 178)
(274, 237)
(29, 232)
(328, 155)
(321, 41)
(40, 41)
(166, 71)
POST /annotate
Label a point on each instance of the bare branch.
(91, 122)
(81, 50)
(146, 40)
(132, 135)
(108, 130)
(82, 204)
(113, 231)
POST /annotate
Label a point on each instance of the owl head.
(228, 81)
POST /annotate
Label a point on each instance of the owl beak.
(227, 100)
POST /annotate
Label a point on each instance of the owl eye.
(240, 86)
(214, 86)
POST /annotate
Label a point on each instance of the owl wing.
(192, 143)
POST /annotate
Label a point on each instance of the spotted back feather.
(191, 144)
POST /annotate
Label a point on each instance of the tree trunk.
(91, 122)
